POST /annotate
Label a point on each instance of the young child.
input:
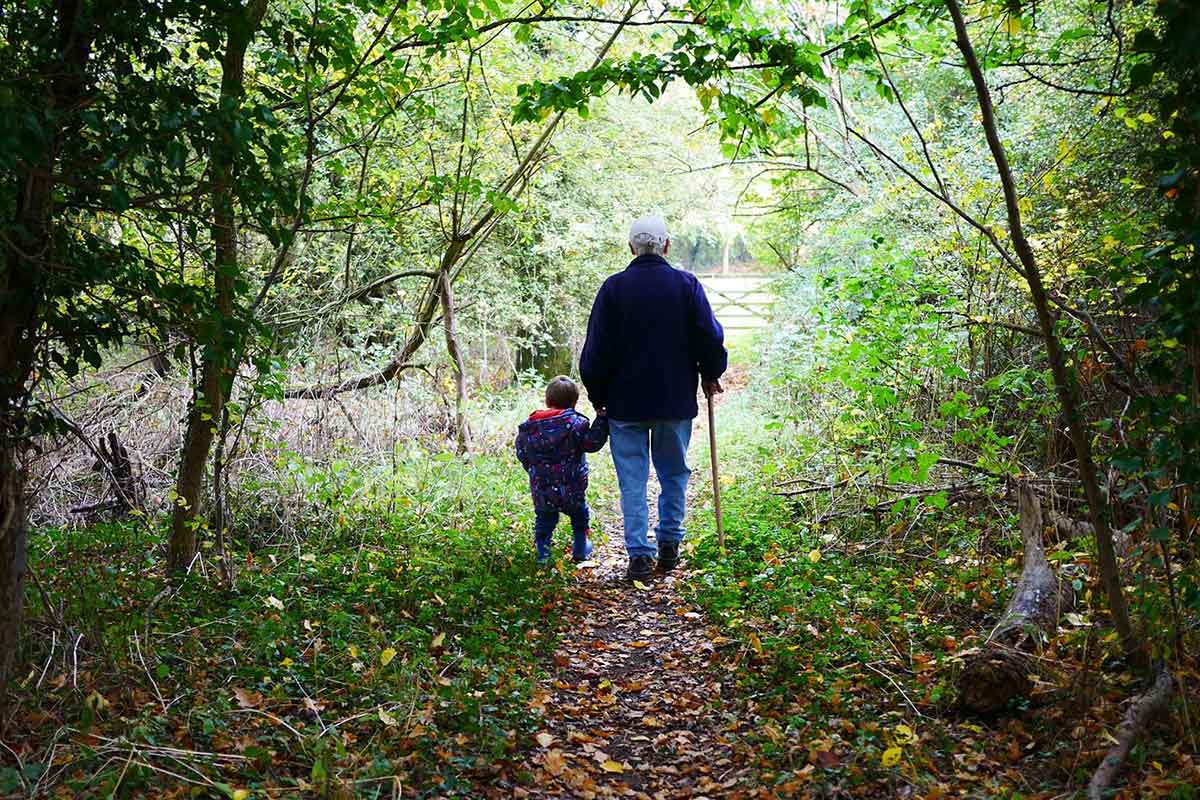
(551, 446)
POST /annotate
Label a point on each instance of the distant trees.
(167, 164)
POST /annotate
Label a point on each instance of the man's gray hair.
(647, 245)
(648, 236)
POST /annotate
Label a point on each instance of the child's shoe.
(544, 550)
(582, 548)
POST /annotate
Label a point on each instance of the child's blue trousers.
(543, 529)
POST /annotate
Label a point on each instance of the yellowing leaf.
(437, 641)
(353, 649)
(905, 734)
(891, 756)
(240, 794)
(814, 556)
(553, 760)
(387, 719)
(640, 585)
(1013, 25)
(756, 643)
(612, 766)
(387, 655)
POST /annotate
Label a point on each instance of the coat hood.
(551, 426)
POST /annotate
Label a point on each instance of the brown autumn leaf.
(554, 762)
(247, 698)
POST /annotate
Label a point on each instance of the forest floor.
(402, 643)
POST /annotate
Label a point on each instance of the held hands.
(711, 387)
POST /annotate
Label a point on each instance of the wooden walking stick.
(716, 479)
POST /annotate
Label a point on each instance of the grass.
(393, 643)
(846, 641)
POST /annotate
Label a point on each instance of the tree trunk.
(1064, 380)
(20, 295)
(1145, 709)
(13, 534)
(1000, 671)
(209, 396)
(461, 434)
(28, 244)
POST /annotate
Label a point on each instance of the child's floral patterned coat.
(551, 446)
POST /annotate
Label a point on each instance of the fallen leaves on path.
(634, 706)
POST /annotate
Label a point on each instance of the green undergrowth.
(846, 641)
(392, 644)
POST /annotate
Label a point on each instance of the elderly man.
(651, 335)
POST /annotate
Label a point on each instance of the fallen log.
(1000, 670)
(1145, 709)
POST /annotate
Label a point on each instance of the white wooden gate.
(742, 302)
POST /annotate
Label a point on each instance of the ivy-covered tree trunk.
(212, 390)
(28, 240)
(1064, 381)
(28, 246)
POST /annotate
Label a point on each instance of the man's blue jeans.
(634, 445)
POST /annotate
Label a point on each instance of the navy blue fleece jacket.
(651, 336)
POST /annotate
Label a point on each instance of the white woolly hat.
(649, 229)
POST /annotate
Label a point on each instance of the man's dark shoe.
(668, 556)
(640, 568)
